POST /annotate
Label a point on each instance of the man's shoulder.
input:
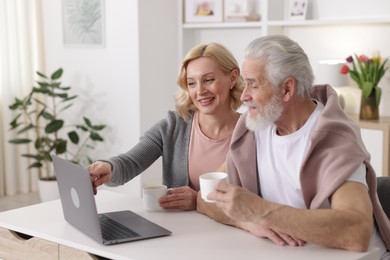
(241, 132)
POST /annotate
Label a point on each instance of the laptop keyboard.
(112, 230)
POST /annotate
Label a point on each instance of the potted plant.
(39, 122)
(367, 73)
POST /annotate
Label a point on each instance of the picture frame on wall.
(83, 23)
(203, 11)
(297, 9)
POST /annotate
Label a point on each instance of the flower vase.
(369, 109)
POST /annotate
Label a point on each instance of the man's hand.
(276, 237)
(235, 201)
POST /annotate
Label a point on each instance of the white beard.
(267, 115)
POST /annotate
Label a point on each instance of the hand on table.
(239, 204)
(183, 198)
(276, 237)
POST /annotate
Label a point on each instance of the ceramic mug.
(151, 195)
(207, 182)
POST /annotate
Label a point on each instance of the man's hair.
(283, 58)
(226, 62)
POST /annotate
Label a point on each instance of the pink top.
(205, 154)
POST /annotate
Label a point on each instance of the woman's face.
(208, 87)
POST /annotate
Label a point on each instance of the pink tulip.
(344, 69)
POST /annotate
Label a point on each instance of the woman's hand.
(183, 198)
(100, 173)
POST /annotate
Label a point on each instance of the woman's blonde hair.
(226, 62)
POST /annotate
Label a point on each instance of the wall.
(129, 84)
(118, 88)
(342, 40)
(159, 60)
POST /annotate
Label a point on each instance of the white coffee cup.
(151, 195)
(207, 182)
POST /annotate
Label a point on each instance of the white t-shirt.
(279, 162)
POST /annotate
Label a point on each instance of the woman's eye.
(208, 81)
(191, 84)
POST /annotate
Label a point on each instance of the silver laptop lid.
(77, 198)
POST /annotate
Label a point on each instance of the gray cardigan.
(168, 138)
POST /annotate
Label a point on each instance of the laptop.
(79, 208)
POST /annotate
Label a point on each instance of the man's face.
(262, 98)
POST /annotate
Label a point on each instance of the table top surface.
(194, 236)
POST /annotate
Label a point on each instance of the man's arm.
(347, 225)
(215, 213)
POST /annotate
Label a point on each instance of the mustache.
(251, 104)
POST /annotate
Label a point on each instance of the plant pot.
(48, 189)
(369, 109)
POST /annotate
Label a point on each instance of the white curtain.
(20, 57)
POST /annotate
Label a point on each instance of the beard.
(267, 115)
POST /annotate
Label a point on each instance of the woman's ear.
(233, 78)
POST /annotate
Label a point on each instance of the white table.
(194, 236)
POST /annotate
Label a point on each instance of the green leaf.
(43, 84)
(40, 102)
(74, 137)
(20, 141)
(41, 90)
(66, 107)
(57, 74)
(26, 128)
(36, 165)
(87, 122)
(70, 98)
(98, 127)
(82, 128)
(41, 75)
(47, 115)
(14, 123)
(65, 88)
(55, 85)
(38, 143)
(96, 137)
(62, 95)
(33, 156)
(15, 105)
(367, 88)
(54, 126)
(378, 93)
(61, 147)
(90, 161)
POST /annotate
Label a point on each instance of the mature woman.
(192, 140)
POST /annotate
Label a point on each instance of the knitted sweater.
(168, 138)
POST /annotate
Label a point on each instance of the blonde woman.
(192, 140)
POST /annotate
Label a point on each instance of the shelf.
(378, 149)
(226, 25)
(287, 23)
(328, 22)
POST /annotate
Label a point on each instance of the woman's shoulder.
(174, 116)
(172, 121)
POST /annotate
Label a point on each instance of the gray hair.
(283, 58)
